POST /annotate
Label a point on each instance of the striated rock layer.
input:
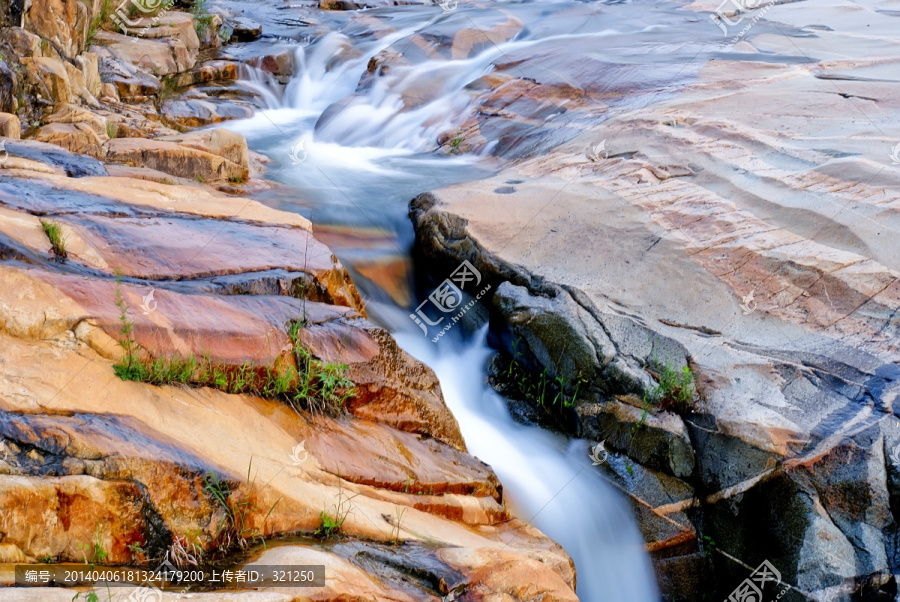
(91, 462)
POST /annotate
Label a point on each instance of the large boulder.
(64, 23)
(75, 137)
(154, 56)
(9, 126)
(216, 141)
(48, 79)
(175, 159)
(130, 83)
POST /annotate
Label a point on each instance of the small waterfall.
(356, 155)
(548, 481)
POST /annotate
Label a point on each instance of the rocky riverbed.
(647, 200)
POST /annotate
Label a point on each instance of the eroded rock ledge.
(735, 475)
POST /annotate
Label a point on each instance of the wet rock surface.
(163, 217)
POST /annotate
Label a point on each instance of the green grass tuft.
(675, 388)
(53, 230)
(311, 384)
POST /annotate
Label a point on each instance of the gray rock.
(75, 165)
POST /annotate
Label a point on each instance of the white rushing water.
(549, 482)
(374, 150)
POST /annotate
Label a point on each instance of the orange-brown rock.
(9, 126)
(172, 158)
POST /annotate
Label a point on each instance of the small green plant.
(47, 559)
(236, 179)
(331, 522)
(235, 529)
(200, 178)
(130, 367)
(112, 130)
(455, 142)
(396, 524)
(138, 552)
(675, 389)
(707, 545)
(549, 393)
(53, 230)
(202, 18)
(97, 23)
(90, 596)
(314, 385)
(98, 553)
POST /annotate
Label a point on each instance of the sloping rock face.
(744, 228)
(97, 469)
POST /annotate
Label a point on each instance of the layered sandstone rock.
(91, 462)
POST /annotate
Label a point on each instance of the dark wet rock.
(561, 336)
(660, 502)
(244, 29)
(658, 440)
(75, 165)
(8, 89)
(280, 65)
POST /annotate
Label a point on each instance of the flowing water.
(353, 155)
